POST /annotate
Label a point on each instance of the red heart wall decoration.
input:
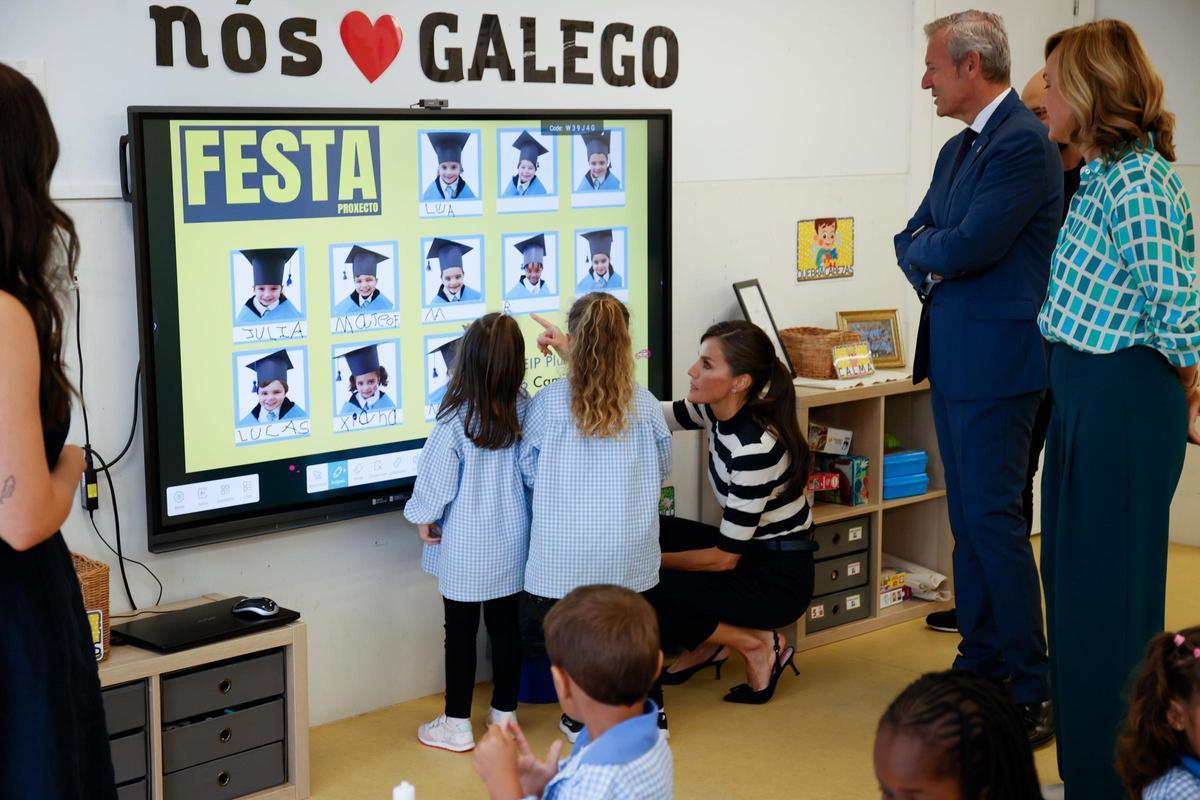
(372, 47)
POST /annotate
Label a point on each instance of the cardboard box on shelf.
(823, 439)
(854, 470)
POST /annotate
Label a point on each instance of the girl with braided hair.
(954, 735)
(1158, 755)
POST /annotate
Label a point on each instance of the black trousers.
(462, 628)
(766, 590)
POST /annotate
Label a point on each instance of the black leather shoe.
(1038, 721)
(944, 621)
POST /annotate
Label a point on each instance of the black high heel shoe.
(742, 693)
(676, 678)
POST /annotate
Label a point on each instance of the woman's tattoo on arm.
(9, 487)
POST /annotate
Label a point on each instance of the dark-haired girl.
(727, 587)
(53, 739)
(1158, 755)
(954, 736)
(471, 509)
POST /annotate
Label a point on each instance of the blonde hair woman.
(595, 452)
(1121, 312)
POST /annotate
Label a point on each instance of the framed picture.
(754, 306)
(880, 330)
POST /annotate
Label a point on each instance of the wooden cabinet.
(220, 721)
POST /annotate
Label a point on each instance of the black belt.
(784, 544)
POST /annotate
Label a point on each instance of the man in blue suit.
(978, 253)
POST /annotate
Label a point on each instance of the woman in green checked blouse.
(1121, 314)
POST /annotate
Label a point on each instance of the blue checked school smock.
(483, 508)
(1123, 272)
(630, 760)
(595, 499)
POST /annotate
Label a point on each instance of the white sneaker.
(501, 718)
(448, 733)
(571, 728)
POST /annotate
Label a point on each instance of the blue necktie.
(969, 137)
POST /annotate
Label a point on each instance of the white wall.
(862, 149)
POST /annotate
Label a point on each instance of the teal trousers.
(1114, 453)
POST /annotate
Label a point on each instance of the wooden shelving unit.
(913, 528)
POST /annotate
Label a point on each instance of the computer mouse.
(255, 607)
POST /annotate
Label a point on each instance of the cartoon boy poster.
(825, 248)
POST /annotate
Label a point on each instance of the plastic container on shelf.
(904, 462)
(905, 486)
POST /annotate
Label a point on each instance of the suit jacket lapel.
(998, 117)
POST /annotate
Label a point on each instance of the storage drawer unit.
(228, 777)
(841, 573)
(125, 707)
(134, 791)
(223, 735)
(839, 538)
(126, 715)
(832, 610)
(214, 688)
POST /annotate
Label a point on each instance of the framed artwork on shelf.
(880, 329)
(754, 305)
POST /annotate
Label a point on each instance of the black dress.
(53, 740)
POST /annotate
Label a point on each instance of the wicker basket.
(93, 580)
(811, 349)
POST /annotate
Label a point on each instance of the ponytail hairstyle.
(1149, 746)
(601, 364)
(771, 396)
(34, 232)
(1112, 89)
(486, 381)
(977, 730)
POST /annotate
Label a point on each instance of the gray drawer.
(841, 573)
(222, 736)
(125, 707)
(129, 756)
(133, 791)
(846, 536)
(228, 777)
(194, 693)
(831, 610)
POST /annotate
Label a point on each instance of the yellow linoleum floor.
(813, 740)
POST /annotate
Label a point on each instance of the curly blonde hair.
(1113, 90)
(601, 364)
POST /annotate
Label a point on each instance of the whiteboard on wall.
(765, 89)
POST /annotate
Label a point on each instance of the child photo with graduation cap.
(269, 388)
(362, 264)
(449, 182)
(525, 182)
(268, 273)
(603, 255)
(452, 280)
(599, 175)
(530, 266)
(365, 377)
(440, 352)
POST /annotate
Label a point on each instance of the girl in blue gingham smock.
(472, 510)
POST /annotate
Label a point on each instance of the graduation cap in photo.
(448, 145)
(529, 148)
(448, 351)
(364, 261)
(533, 250)
(270, 368)
(448, 252)
(363, 360)
(600, 242)
(597, 142)
(268, 264)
